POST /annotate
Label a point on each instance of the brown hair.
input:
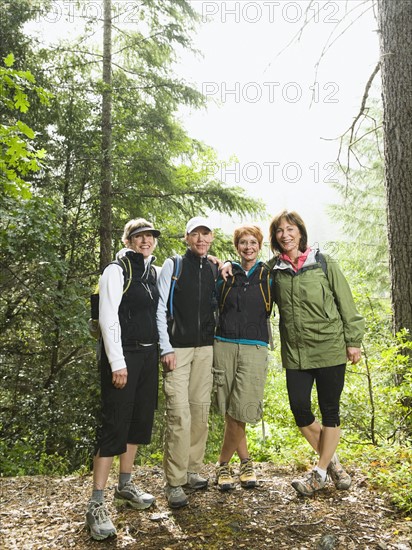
(247, 229)
(294, 219)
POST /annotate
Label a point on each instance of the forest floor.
(48, 512)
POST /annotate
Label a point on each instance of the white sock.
(321, 472)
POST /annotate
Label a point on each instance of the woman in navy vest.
(240, 353)
(129, 371)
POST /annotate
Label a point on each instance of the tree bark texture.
(395, 32)
(106, 168)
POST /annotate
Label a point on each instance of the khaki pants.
(187, 390)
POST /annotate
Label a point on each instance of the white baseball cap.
(198, 221)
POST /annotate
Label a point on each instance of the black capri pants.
(329, 386)
(127, 414)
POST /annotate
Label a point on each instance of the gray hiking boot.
(132, 496)
(196, 481)
(340, 478)
(98, 521)
(176, 497)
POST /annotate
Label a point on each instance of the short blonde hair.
(248, 229)
(132, 225)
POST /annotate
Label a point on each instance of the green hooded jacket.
(318, 317)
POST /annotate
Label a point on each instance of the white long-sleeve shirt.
(163, 283)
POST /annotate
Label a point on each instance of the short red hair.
(247, 229)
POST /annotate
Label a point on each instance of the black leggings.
(329, 386)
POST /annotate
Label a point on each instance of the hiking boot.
(224, 478)
(340, 478)
(196, 481)
(176, 497)
(247, 474)
(98, 521)
(308, 485)
(132, 496)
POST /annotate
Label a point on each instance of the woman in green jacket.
(320, 330)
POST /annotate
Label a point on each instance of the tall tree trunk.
(395, 31)
(106, 171)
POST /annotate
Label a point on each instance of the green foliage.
(23, 459)
(388, 469)
(380, 414)
(18, 157)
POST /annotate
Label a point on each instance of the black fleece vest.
(137, 310)
(244, 314)
(193, 323)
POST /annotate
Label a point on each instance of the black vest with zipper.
(137, 310)
(242, 301)
(193, 323)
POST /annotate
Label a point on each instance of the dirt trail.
(44, 512)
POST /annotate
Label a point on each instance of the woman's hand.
(215, 260)
(353, 355)
(119, 378)
(226, 270)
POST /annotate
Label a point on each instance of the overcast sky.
(271, 109)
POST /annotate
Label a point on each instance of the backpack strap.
(268, 301)
(127, 271)
(266, 298)
(177, 270)
(153, 273)
(126, 266)
(215, 269)
(320, 258)
(224, 292)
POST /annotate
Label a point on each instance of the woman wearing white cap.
(186, 332)
(128, 299)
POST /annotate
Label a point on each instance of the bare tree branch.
(352, 129)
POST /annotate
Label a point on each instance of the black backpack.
(264, 289)
(93, 323)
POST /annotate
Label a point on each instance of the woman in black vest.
(240, 353)
(129, 370)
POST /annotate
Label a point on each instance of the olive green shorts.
(239, 376)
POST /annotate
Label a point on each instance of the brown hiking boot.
(340, 478)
